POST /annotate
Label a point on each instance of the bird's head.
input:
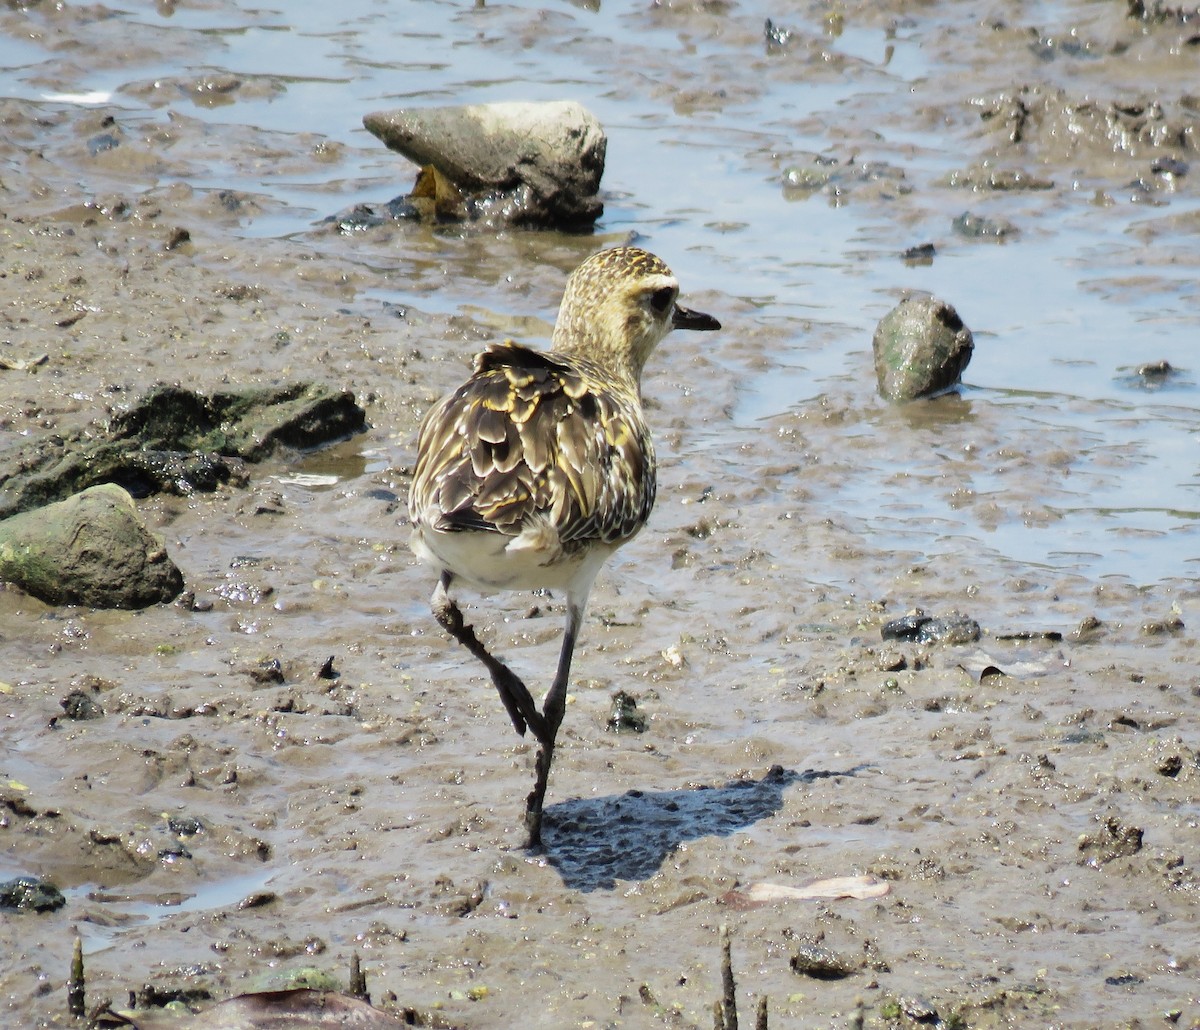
(618, 305)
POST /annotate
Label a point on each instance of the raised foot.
(515, 696)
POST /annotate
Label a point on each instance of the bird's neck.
(602, 357)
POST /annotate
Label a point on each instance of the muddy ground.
(1030, 797)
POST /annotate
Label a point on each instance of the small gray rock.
(926, 629)
(980, 227)
(78, 705)
(30, 894)
(90, 549)
(921, 347)
(532, 163)
(821, 963)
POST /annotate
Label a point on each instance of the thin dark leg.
(552, 715)
(513, 693)
(555, 704)
(533, 803)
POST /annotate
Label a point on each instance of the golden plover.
(540, 465)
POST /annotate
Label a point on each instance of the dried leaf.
(860, 887)
(23, 365)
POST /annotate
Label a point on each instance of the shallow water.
(702, 121)
(797, 513)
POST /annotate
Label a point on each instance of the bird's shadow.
(593, 842)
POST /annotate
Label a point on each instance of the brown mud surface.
(1030, 797)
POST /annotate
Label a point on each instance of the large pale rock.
(921, 347)
(91, 549)
(538, 163)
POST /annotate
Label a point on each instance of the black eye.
(661, 300)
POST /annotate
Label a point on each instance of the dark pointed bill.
(685, 318)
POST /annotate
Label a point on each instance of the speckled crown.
(619, 262)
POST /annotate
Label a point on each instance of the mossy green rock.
(921, 348)
(91, 549)
(175, 440)
(29, 894)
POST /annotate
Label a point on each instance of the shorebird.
(540, 466)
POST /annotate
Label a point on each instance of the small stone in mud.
(625, 715)
(1155, 369)
(1169, 167)
(976, 227)
(1152, 376)
(1123, 980)
(918, 1009)
(1162, 627)
(1089, 629)
(30, 894)
(267, 670)
(79, 705)
(1156, 12)
(151, 996)
(189, 602)
(104, 141)
(184, 825)
(921, 347)
(1052, 635)
(1170, 766)
(1113, 840)
(926, 629)
(822, 963)
(921, 254)
(809, 177)
(1003, 180)
(777, 36)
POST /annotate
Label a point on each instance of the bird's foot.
(517, 699)
(515, 696)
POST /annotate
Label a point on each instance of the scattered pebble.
(30, 894)
(921, 254)
(925, 629)
(977, 227)
(625, 714)
(1112, 841)
(822, 963)
(79, 705)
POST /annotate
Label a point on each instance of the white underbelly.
(494, 561)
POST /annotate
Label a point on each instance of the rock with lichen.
(921, 348)
(91, 549)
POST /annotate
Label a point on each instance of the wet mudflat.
(241, 808)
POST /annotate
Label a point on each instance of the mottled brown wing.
(530, 434)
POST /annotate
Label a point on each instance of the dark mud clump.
(174, 440)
